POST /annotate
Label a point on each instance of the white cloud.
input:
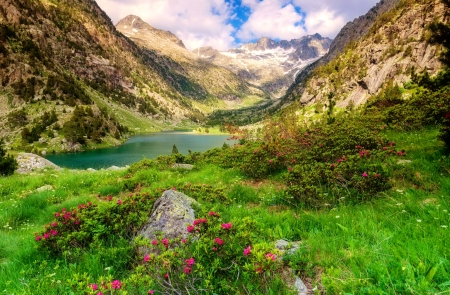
(197, 23)
(273, 19)
(205, 22)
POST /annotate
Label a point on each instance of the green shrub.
(7, 162)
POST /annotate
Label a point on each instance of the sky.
(225, 24)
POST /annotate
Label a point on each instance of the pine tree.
(7, 162)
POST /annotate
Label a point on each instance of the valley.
(336, 180)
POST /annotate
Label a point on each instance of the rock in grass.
(170, 216)
(183, 166)
(30, 162)
(44, 188)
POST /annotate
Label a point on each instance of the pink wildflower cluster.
(218, 241)
(363, 153)
(197, 222)
(189, 263)
(248, 250)
(146, 258)
(165, 242)
(116, 284)
(271, 256)
(227, 225)
(200, 221)
(213, 214)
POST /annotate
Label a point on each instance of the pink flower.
(270, 161)
(200, 220)
(116, 284)
(358, 147)
(365, 174)
(38, 238)
(290, 169)
(226, 225)
(247, 250)
(174, 188)
(55, 224)
(384, 148)
(270, 256)
(54, 232)
(377, 175)
(146, 258)
(119, 202)
(255, 151)
(187, 270)
(57, 214)
(213, 213)
(218, 241)
(109, 198)
(155, 242)
(166, 276)
(99, 293)
(46, 236)
(339, 160)
(151, 292)
(94, 286)
(190, 261)
(183, 241)
(190, 228)
(165, 242)
(293, 161)
(214, 249)
(332, 165)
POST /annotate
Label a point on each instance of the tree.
(7, 162)
(175, 150)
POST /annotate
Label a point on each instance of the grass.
(395, 244)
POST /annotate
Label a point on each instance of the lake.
(139, 147)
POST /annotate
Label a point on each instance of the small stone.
(300, 286)
(404, 162)
(281, 245)
(183, 166)
(91, 169)
(113, 168)
(44, 188)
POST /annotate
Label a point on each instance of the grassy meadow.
(396, 243)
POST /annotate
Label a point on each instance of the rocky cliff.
(394, 46)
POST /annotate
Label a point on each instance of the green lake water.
(139, 147)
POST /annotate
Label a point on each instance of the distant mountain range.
(271, 65)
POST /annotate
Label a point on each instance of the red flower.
(247, 250)
(55, 224)
(165, 242)
(38, 238)
(226, 225)
(54, 232)
(190, 228)
(146, 258)
(214, 249)
(183, 241)
(151, 292)
(213, 213)
(218, 241)
(364, 174)
(46, 236)
(155, 242)
(116, 284)
(119, 202)
(187, 270)
(94, 286)
(270, 256)
(190, 261)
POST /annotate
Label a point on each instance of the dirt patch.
(264, 183)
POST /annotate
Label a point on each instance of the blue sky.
(224, 24)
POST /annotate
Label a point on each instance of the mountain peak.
(133, 24)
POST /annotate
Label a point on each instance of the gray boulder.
(171, 215)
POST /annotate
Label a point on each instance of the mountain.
(271, 65)
(69, 78)
(393, 48)
(351, 32)
(218, 82)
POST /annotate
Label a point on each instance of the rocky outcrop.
(28, 163)
(171, 215)
(389, 53)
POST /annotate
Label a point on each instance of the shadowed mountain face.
(272, 65)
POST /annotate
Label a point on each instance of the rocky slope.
(393, 47)
(351, 32)
(59, 54)
(218, 81)
(269, 64)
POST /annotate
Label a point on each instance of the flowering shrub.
(217, 258)
(79, 227)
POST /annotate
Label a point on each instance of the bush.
(7, 162)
